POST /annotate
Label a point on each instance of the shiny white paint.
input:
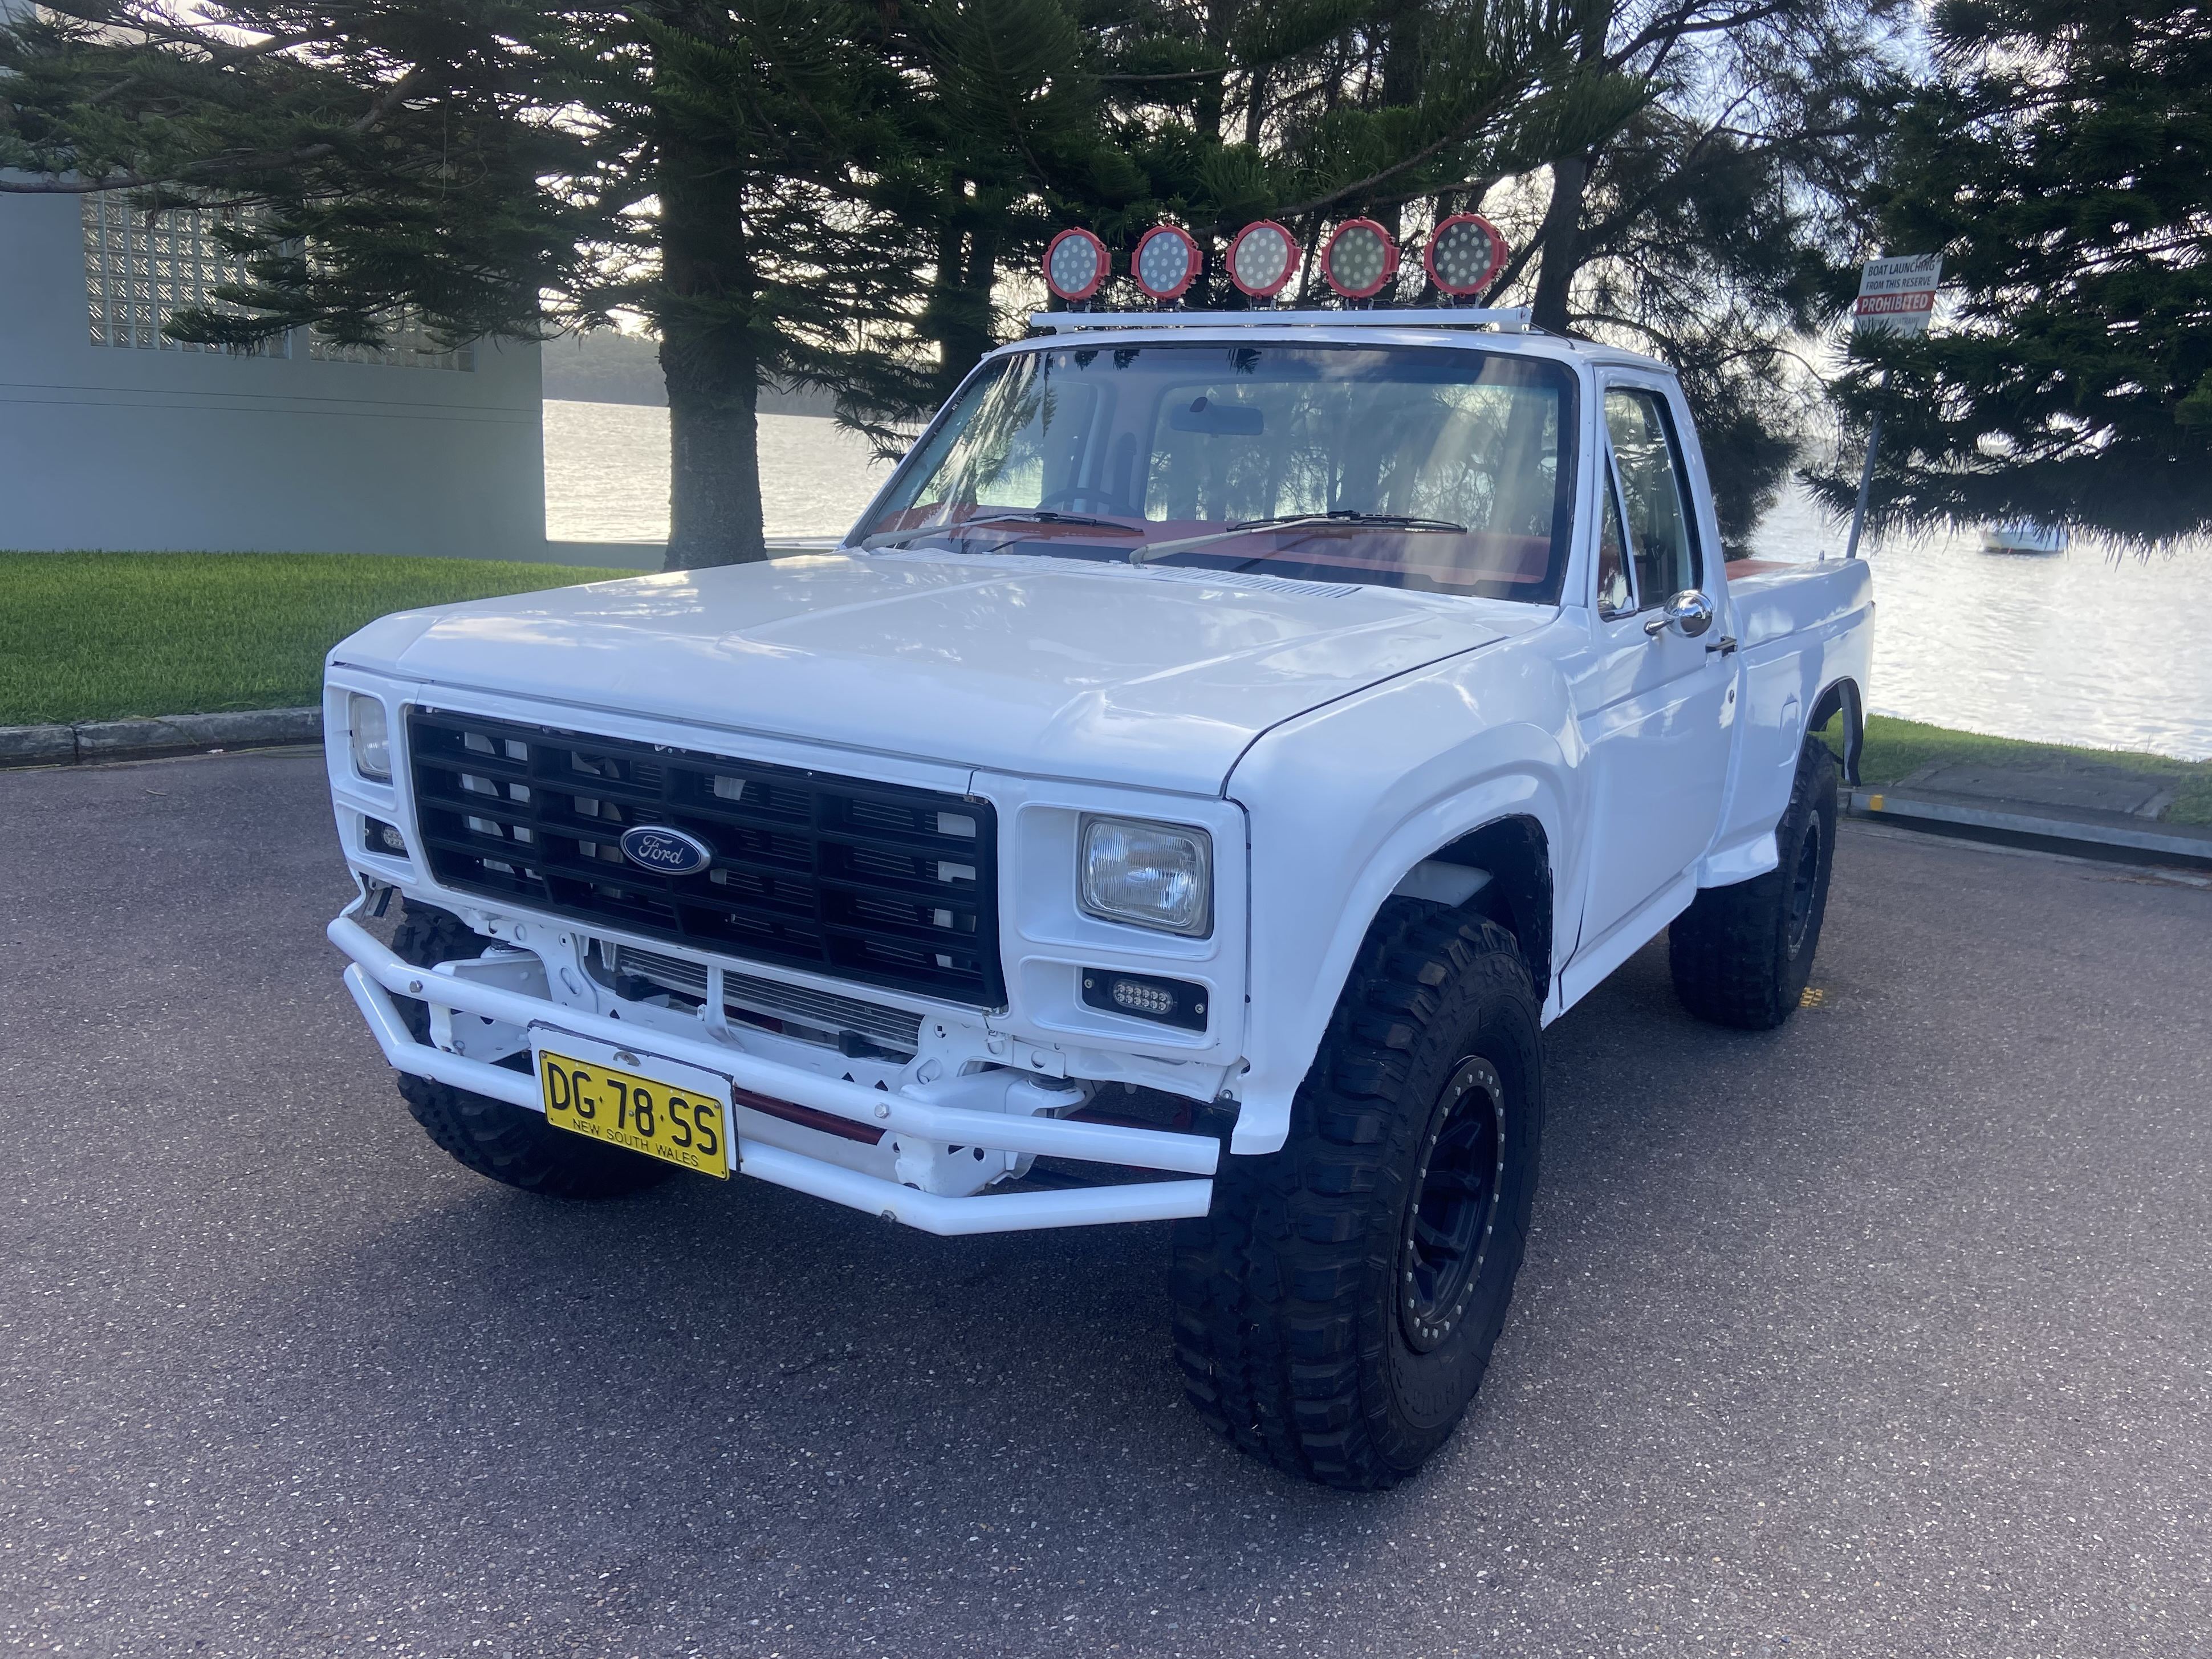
(1053, 668)
(1330, 740)
(923, 1111)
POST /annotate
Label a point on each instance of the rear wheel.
(1336, 1310)
(1742, 955)
(505, 1143)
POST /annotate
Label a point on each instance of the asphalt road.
(1887, 1334)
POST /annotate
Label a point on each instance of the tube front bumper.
(378, 974)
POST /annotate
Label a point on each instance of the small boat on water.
(2023, 535)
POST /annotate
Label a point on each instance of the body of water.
(2087, 646)
(606, 473)
(2084, 647)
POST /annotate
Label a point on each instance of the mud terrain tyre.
(509, 1144)
(1742, 955)
(1336, 1311)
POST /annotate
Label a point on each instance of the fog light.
(1140, 998)
(381, 837)
(1168, 1002)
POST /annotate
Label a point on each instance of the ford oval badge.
(665, 851)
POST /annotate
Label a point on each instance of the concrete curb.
(2110, 837)
(152, 737)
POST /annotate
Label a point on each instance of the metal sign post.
(1896, 296)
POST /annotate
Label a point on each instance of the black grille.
(866, 881)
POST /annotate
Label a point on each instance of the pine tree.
(1679, 177)
(375, 153)
(511, 170)
(1708, 222)
(2061, 161)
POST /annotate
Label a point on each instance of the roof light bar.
(1166, 263)
(1464, 254)
(1075, 265)
(1513, 320)
(1360, 258)
(1262, 259)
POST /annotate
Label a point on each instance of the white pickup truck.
(1224, 745)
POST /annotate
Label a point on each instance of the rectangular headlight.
(371, 737)
(1150, 875)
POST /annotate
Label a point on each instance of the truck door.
(1655, 702)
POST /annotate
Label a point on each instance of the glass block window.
(406, 342)
(140, 270)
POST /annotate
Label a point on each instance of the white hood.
(1157, 678)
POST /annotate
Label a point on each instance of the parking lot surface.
(1890, 1332)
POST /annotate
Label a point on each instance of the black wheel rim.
(1804, 886)
(1454, 1209)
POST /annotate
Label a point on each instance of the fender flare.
(1264, 1098)
(1842, 697)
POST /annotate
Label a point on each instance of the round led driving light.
(1359, 258)
(1075, 265)
(1464, 254)
(1262, 259)
(1166, 263)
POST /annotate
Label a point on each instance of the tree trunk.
(956, 315)
(1401, 88)
(1210, 108)
(715, 489)
(1561, 238)
(710, 360)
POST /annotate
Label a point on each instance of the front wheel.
(1336, 1311)
(1742, 955)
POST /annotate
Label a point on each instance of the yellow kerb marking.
(1873, 803)
(1812, 998)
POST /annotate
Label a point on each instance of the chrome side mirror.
(1689, 611)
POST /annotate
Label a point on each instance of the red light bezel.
(1290, 264)
(1190, 274)
(1105, 266)
(1391, 256)
(1498, 251)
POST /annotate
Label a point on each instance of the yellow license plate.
(677, 1125)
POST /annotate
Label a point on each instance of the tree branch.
(1459, 134)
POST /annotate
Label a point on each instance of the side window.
(1653, 490)
(1614, 596)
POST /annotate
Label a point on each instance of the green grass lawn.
(1896, 749)
(88, 636)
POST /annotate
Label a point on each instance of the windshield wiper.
(1021, 515)
(1345, 516)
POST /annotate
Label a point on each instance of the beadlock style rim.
(1454, 1212)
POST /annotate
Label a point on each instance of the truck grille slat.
(822, 1009)
(867, 881)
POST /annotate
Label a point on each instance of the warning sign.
(1896, 296)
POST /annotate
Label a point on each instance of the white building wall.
(130, 448)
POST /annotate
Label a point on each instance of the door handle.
(1723, 646)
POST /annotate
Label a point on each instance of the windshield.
(1446, 469)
